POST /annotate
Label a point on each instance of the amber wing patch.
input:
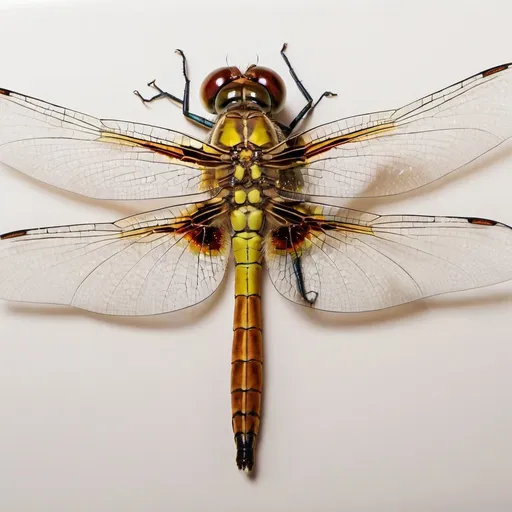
(208, 240)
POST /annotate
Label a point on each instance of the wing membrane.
(152, 263)
(395, 151)
(105, 159)
(353, 261)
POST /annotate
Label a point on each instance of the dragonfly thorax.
(245, 132)
(246, 162)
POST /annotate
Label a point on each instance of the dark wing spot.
(495, 69)
(290, 237)
(5, 92)
(206, 239)
(14, 234)
(482, 222)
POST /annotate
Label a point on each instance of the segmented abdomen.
(247, 354)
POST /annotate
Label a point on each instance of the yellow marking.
(255, 220)
(254, 250)
(229, 133)
(244, 122)
(215, 200)
(219, 174)
(170, 228)
(354, 228)
(245, 155)
(210, 149)
(247, 279)
(240, 196)
(254, 196)
(238, 220)
(239, 172)
(307, 243)
(132, 141)
(357, 136)
(239, 247)
(192, 208)
(255, 242)
(255, 172)
(171, 149)
(259, 135)
(247, 250)
(248, 235)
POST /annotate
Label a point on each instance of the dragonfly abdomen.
(247, 353)
(246, 376)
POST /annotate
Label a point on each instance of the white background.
(405, 409)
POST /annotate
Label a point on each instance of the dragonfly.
(254, 187)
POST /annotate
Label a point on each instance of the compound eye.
(214, 82)
(272, 82)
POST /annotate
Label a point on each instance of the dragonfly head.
(228, 86)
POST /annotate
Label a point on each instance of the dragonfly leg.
(308, 296)
(161, 94)
(186, 96)
(183, 102)
(309, 99)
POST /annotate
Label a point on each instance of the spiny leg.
(309, 105)
(183, 102)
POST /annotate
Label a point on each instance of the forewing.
(353, 261)
(395, 151)
(105, 159)
(152, 263)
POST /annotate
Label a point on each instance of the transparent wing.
(391, 152)
(105, 159)
(152, 263)
(350, 261)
